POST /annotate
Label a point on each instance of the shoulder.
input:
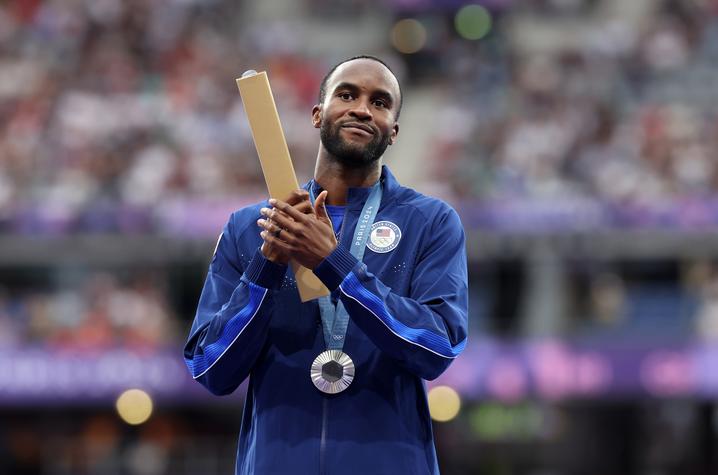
(435, 224)
(235, 246)
(428, 207)
(244, 218)
(433, 210)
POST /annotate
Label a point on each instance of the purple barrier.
(555, 370)
(488, 369)
(40, 377)
(197, 218)
(585, 214)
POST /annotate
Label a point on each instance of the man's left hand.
(299, 200)
(308, 238)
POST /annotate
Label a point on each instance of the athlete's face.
(357, 120)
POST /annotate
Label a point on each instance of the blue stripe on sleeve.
(352, 288)
(199, 364)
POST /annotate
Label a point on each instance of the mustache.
(360, 125)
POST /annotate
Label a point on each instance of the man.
(336, 384)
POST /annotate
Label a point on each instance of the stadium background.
(577, 138)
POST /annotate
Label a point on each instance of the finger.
(271, 227)
(280, 219)
(320, 207)
(276, 230)
(274, 215)
(286, 208)
(305, 207)
(299, 200)
(271, 240)
(297, 196)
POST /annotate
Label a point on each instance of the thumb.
(320, 206)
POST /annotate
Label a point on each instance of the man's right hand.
(299, 200)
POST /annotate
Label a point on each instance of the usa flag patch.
(384, 237)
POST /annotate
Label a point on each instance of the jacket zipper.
(323, 440)
(325, 401)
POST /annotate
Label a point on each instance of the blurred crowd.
(104, 312)
(113, 113)
(122, 116)
(112, 108)
(119, 116)
(582, 103)
(77, 443)
(649, 308)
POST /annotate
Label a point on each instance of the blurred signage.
(579, 214)
(488, 369)
(556, 370)
(38, 376)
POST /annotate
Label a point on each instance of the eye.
(347, 96)
(380, 103)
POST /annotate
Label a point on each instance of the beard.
(352, 155)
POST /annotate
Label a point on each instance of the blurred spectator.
(580, 119)
(101, 315)
(113, 113)
(116, 105)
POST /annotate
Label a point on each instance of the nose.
(361, 110)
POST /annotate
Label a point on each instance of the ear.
(317, 116)
(394, 133)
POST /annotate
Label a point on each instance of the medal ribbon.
(335, 319)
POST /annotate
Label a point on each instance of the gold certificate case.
(276, 163)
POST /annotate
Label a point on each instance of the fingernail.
(272, 201)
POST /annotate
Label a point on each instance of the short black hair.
(323, 86)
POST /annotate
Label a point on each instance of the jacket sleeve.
(232, 319)
(425, 330)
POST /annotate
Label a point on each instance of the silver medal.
(332, 371)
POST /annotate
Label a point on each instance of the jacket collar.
(357, 196)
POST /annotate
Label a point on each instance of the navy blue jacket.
(408, 321)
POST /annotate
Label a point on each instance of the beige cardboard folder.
(274, 157)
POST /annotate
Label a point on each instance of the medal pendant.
(332, 371)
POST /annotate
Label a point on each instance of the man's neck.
(337, 178)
